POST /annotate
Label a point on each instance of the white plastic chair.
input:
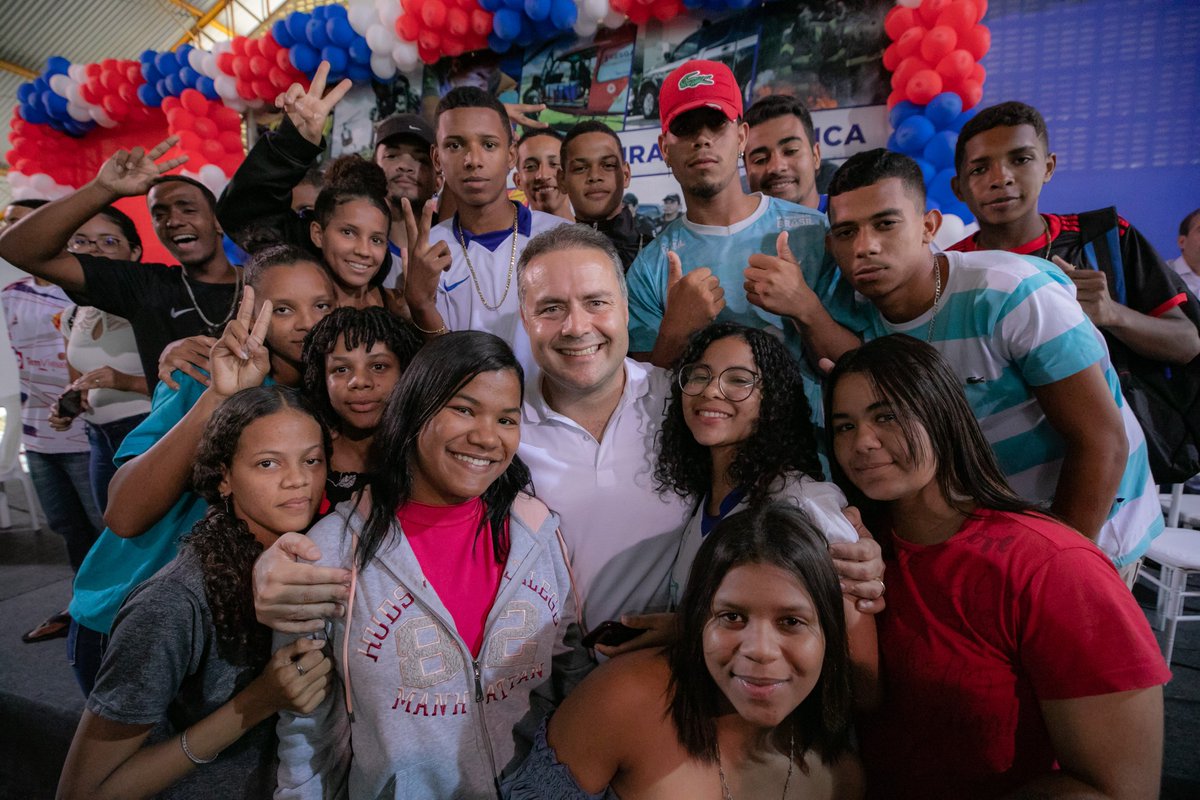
(1177, 551)
(12, 467)
(1189, 508)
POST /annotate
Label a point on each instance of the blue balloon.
(902, 111)
(939, 150)
(927, 170)
(537, 10)
(339, 31)
(175, 86)
(360, 51)
(336, 12)
(297, 25)
(959, 209)
(564, 14)
(497, 44)
(943, 109)
(962, 119)
(913, 134)
(939, 187)
(166, 63)
(24, 92)
(147, 56)
(359, 72)
(207, 87)
(55, 105)
(35, 114)
(279, 29)
(321, 13)
(931, 204)
(304, 58)
(314, 32)
(57, 65)
(148, 96)
(507, 24)
(337, 59)
(189, 77)
(150, 72)
(490, 5)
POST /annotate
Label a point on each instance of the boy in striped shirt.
(1035, 369)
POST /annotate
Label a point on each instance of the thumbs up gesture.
(693, 300)
(776, 284)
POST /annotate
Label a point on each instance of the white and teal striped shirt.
(1008, 323)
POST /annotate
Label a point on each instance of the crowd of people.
(455, 497)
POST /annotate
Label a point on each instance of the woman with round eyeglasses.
(102, 356)
(736, 435)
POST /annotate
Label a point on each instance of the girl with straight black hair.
(460, 632)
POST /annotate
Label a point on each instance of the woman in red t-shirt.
(1012, 657)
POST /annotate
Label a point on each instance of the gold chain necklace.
(512, 263)
(937, 296)
(728, 795)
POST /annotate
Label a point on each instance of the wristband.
(192, 756)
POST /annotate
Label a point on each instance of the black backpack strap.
(1100, 238)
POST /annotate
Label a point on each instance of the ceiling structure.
(88, 31)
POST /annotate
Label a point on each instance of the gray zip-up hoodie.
(429, 720)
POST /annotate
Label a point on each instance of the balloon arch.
(72, 116)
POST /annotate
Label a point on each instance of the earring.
(742, 154)
(228, 498)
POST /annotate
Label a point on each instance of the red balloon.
(891, 59)
(190, 141)
(433, 13)
(180, 119)
(212, 150)
(895, 97)
(241, 68)
(133, 73)
(245, 90)
(907, 68)
(115, 106)
(92, 70)
(238, 45)
(458, 22)
(229, 164)
(278, 78)
(429, 40)
(407, 28)
(980, 9)
(909, 42)
(253, 47)
(268, 46)
(955, 65)
(226, 118)
(89, 94)
(930, 9)
(127, 93)
(978, 74)
(194, 102)
(976, 41)
(206, 128)
(960, 15)
(170, 103)
(231, 142)
(481, 22)
(898, 20)
(108, 64)
(259, 66)
(265, 90)
(225, 63)
(110, 79)
(971, 93)
(937, 43)
(427, 55)
(282, 61)
(923, 87)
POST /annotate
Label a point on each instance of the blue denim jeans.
(105, 439)
(85, 651)
(65, 494)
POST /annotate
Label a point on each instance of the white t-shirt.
(493, 263)
(620, 532)
(1190, 278)
(114, 348)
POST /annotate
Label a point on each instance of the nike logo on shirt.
(179, 312)
(449, 287)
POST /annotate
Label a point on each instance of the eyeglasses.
(735, 383)
(105, 244)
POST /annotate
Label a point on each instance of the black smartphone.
(70, 404)
(611, 633)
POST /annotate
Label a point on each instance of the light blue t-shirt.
(726, 251)
(115, 565)
(1007, 324)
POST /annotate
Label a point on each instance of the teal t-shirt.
(115, 565)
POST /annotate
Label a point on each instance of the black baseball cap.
(404, 125)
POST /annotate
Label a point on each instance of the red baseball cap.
(696, 84)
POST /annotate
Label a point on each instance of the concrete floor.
(40, 702)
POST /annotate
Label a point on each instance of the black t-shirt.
(155, 301)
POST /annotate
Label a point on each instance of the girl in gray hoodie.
(461, 631)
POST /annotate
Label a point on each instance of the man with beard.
(538, 170)
(717, 260)
(782, 153)
(402, 144)
(594, 175)
(162, 303)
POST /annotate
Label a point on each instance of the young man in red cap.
(717, 260)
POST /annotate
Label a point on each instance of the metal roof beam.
(17, 69)
(203, 22)
(198, 14)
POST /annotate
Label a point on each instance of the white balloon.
(361, 14)
(950, 232)
(101, 117)
(73, 95)
(79, 112)
(597, 9)
(389, 13)
(383, 67)
(378, 40)
(42, 182)
(226, 86)
(196, 59)
(78, 72)
(406, 56)
(59, 83)
(614, 20)
(585, 26)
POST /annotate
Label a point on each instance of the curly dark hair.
(223, 543)
(782, 440)
(360, 327)
(351, 178)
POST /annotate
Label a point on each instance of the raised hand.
(308, 109)
(293, 597)
(128, 173)
(426, 261)
(240, 358)
(775, 283)
(518, 113)
(693, 300)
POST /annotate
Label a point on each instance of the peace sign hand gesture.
(426, 261)
(128, 173)
(308, 109)
(240, 359)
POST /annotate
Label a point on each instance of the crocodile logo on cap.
(694, 79)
